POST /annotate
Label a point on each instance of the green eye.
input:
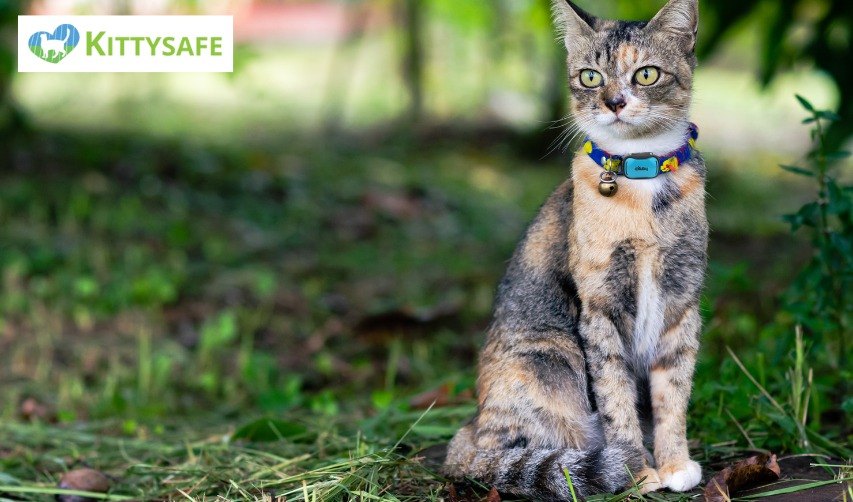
(647, 75)
(590, 78)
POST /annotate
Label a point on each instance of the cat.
(596, 323)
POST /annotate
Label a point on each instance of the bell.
(607, 188)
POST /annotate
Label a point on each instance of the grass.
(203, 323)
(202, 463)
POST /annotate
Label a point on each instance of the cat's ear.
(572, 22)
(679, 17)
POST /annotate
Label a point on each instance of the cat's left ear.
(679, 17)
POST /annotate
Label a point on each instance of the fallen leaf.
(441, 396)
(84, 479)
(32, 409)
(451, 493)
(748, 473)
(493, 495)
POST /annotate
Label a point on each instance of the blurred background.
(319, 234)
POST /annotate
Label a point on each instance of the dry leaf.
(441, 396)
(85, 479)
(451, 493)
(493, 496)
(748, 473)
(31, 409)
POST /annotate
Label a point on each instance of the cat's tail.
(538, 473)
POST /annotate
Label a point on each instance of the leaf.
(443, 395)
(837, 155)
(828, 115)
(839, 201)
(493, 495)
(803, 101)
(8, 479)
(265, 430)
(382, 399)
(794, 220)
(797, 170)
(809, 120)
(85, 480)
(753, 471)
(218, 332)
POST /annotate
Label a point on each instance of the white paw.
(681, 477)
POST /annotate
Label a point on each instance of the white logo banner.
(125, 44)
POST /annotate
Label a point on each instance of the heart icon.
(53, 47)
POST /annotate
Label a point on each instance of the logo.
(53, 47)
(125, 44)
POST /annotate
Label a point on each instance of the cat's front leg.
(671, 378)
(615, 392)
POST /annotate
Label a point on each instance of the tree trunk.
(413, 57)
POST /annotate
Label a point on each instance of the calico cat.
(596, 323)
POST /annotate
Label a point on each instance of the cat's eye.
(591, 78)
(647, 75)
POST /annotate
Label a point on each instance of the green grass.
(160, 298)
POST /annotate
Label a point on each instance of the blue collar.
(642, 165)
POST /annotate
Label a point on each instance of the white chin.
(621, 137)
(610, 127)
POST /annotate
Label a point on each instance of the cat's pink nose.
(615, 104)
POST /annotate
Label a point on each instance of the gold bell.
(607, 186)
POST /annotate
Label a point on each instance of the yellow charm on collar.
(670, 164)
(612, 165)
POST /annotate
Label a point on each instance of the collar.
(642, 165)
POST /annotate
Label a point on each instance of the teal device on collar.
(640, 166)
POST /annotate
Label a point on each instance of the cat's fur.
(596, 323)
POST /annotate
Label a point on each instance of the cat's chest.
(620, 252)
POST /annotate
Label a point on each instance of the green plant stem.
(824, 232)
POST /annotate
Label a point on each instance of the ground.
(201, 321)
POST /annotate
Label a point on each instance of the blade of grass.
(741, 429)
(39, 490)
(755, 382)
(571, 485)
(794, 489)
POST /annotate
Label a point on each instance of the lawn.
(199, 321)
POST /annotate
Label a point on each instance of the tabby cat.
(596, 323)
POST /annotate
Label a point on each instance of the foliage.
(821, 297)
(803, 408)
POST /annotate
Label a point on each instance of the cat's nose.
(615, 104)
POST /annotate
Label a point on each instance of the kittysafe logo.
(125, 44)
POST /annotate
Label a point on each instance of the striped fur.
(590, 354)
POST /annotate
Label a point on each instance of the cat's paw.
(680, 476)
(648, 480)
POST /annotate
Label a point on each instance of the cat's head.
(630, 80)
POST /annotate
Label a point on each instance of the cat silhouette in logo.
(57, 46)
